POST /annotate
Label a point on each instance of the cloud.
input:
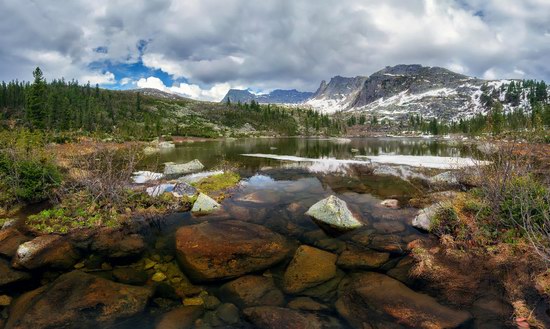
(214, 93)
(272, 43)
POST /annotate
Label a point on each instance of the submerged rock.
(335, 213)
(309, 268)
(228, 249)
(306, 304)
(46, 251)
(271, 317)
(9, 276)
(183, 168)
(423, 219)
(252, 290)
(372, 298)
(205, 204)
(180, 318)
(116, 244)
(10, 239)
(362, 259)
(77, 300)
(390, 203)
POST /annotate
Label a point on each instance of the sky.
(202, 48)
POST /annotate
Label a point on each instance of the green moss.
(81, 211)
(217, 183)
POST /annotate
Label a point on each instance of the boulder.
(228, 249)
(372, 298)
(46, 251)
(205, 204)
(386, 226)
(180, 318)
(334, 212)
(158, 190)
(402, 269)
(184, 189)
(362, 259)
(77, 300)
(9, 276)
(166, 145)
(10, 239)
(228, 313)
(306, 304)
(261, 197)
(183, 168)
(423, 219)
(252, 290)
(128, 275)
(271, 317)
(309, 267)
(116, 244)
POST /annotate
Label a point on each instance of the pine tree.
(36, 104)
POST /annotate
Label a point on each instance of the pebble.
(5, 300)
(193, 301)
(158, 277)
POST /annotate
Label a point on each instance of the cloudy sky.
(201, 48)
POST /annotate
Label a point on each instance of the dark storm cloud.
(272, 43)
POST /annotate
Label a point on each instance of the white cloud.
(215, 93)
(106, 78)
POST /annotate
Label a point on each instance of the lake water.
(276, 193)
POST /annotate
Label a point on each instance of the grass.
(218, 182)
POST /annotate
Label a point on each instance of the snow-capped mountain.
(399, 91)
(277, 96)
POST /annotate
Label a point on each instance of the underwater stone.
(335, 213)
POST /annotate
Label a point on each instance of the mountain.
(395, 92)
(277, 96)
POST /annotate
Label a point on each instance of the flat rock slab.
(309, 267)
(228, 249)
(372, 298)
(335, 213)
(183, 168)
(362, 259)
(270, 317)
(77, 300)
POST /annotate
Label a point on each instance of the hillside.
(277, 96)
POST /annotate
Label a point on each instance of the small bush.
(445, 221)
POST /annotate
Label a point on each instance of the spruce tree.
(36, 101)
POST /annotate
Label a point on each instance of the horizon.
(203, 49)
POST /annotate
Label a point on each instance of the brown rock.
(9, 276)
(228, 249)
(372, 298)
(252, 290)
(77, 300)
(10, 239)
(388, 243)
(402, 269)
(261, 197)
(180, 318)
(46, 251)
(390, 203)
(389, 227)
(306, 304)
(362, 259)
(117, 244)
(271, 317)
(309, 267)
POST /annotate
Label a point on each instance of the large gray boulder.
(205, 204)
(183, 168)
(335, 213)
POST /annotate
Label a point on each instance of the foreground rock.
(229, 249)
(77, 300)
(9, 276)
(115, 244)
(10, 239)
(374, 298)
(205, 205)
(309, 268)
(423, 219)
(180, 318)
(271, 317)
(46, 251)
(184, 189)
(335, 213)
(183, 168)
(252, 290)
(447, 178)
(362, 259)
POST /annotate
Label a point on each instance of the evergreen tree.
(36, 104)
(497, 118)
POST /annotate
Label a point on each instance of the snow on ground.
(407, 160)
(435, 162)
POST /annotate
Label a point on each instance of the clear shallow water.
(277, 193)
